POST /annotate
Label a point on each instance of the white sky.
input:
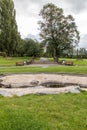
(27, 15)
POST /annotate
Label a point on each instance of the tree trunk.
(55, 59)
(55, 56)
(32, 59)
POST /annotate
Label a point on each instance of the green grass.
(80, 62)
(8, 66)
(47, 112)
(50, 69)
(12, 61)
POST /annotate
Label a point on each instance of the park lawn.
(79, 62)
(8, 66)
(46, 112)
(39, 69)
(11, 61)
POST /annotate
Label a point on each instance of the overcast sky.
(27, 15)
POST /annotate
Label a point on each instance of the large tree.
(57, 30)
(9, 36)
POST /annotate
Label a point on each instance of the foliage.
(20, 48)
(9, 36)
(48, 112)
(31, 48)
(81, 53)
(58, 32)
(78, 53)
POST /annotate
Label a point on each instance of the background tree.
(82, 53)
(9, 36)
(20, 48)
(32, 48)
(59, 32)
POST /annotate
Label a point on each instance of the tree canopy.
(30, 47)
(9, 36)
(58, 31)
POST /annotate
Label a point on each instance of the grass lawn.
(50, 69)
(11, 61)
(80, 62)
(8, 66)
(47, 112)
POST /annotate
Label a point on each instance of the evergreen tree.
(9, 36)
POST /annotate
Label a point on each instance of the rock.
(5, 93)
(52, 84)
(34, 82)
(16, 85)
(74, 89)
(19, 94)
(56, 84)
(46, 80)
(39, 90)
(40, 93)
(6, 86)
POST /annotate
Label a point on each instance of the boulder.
(74, 89)
(5, 93)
